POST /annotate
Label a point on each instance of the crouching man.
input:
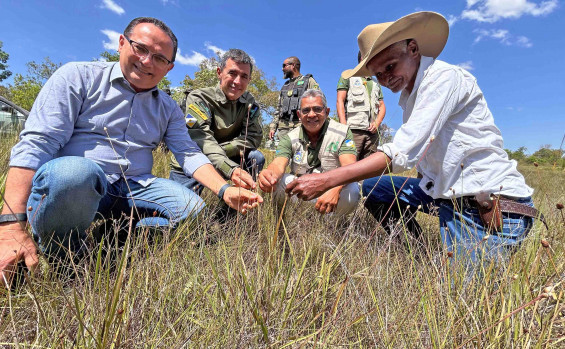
(484, 205)
(319, 145)
(86, 152)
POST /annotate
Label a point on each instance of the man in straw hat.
(450, 137)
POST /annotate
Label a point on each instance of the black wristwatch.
(223, 190)
(13, 217)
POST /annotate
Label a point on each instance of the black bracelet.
(13, 217)
(223, 190)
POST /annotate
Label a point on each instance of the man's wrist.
(13, 217)
(222, 190)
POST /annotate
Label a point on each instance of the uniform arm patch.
(195, 115)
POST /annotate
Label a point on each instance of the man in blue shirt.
(86, 151)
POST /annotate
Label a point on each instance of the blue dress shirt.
(89, 109)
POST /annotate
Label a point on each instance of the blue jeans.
(461, 228)
(195, 186)
(69, 192)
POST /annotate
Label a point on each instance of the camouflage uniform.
(285, 123)
(218, 126)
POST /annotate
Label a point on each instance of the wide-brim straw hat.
(429, 29)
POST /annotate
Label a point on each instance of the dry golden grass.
(321, 283)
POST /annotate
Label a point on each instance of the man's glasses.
(142, 52)
(316, 110)
(285, 64)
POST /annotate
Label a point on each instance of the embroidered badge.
(298, 157)
(332, 147)
(301, 82)
(190, 121)
(198, 112)
(349, 143)
(289, 93)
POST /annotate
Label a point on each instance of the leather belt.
(507, 205)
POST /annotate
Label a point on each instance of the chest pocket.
(357, 97)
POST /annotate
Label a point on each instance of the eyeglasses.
(316, 110)
(142, 52)
(285, 64)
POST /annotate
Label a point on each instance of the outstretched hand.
(267, 180)
(241, 178)
(309, 186)
(327, 202)
(241, 199)
(16, 245)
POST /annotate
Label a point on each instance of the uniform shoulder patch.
(197, 112)
(254, 112)
(349, 143)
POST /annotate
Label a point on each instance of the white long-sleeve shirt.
(449, 134)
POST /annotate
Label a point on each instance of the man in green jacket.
(224, 122)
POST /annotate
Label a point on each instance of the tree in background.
(517, 155)
(110, 56)
(26, 88)
(4, 72)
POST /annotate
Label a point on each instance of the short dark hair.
(295, 61)
(159, 24)
(238, 56)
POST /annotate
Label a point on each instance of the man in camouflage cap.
(224, 121)
(286, 118)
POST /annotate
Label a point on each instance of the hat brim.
(429, 29)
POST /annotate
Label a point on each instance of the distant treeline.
(544, 156)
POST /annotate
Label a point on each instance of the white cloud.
(112, 6)
(503, 36)
(491, 11)
(193, 59)
(451, 19)
(524, 42)
(114, 38)
(214, 49)
(468, 65)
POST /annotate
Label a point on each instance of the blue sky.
(515, 48)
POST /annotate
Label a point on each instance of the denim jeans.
(69, 192)
(195, 186)
(461, 228)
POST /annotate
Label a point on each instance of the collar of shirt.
(117, 74)
(425, 62)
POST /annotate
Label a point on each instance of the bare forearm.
(209, 177)
(340, 106)
(18, 188)
(374, 165)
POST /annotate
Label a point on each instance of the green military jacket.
(218, 126)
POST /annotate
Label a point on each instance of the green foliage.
(24, 91)
(518, 155)
(110, 56)
(4, 72)
(26, 88)
(5, 92)
(164, 83)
